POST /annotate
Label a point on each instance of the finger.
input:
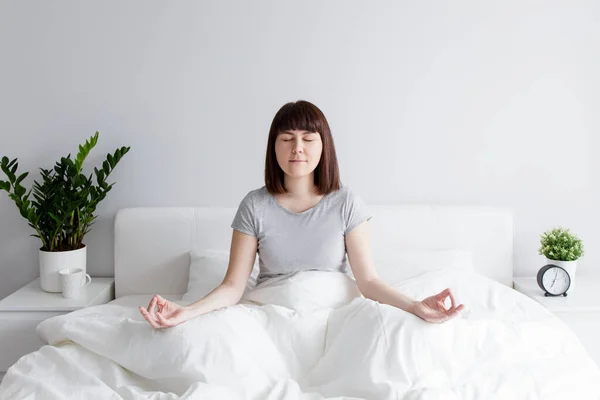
(442, 297)
(157, 306)
(452, 299)
(453, 313)
(164, 321)
(152, 306)
(157, 324)
(458, 308)
(143, 311)
(150, 303)
(162, 303)
(148, 318)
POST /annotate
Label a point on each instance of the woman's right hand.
(433, 308)
(162, 313)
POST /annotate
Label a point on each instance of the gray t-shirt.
(290, 242)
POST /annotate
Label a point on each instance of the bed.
(309, 337)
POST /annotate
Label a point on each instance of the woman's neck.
(300, 187)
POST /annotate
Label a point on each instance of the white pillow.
(207, 270)
(305, 291)
(400, 265)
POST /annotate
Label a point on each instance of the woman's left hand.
(433, 309)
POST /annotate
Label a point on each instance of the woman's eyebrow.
(304, 132)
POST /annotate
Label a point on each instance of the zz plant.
(61, 207)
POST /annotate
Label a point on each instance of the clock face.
(556, 281)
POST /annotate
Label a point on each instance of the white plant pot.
(53, 261)
(570, 267)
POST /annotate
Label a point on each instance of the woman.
(302, 219)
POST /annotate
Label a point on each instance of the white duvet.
(317, 341)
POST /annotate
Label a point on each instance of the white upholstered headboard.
(152, 244)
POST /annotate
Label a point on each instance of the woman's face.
(298, 152)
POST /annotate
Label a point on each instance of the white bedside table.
(579, 310)
(22, 311)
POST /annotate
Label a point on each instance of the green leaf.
(21, 177)
(55, 218)
(84, 151)
(20, 190)
(6, 169)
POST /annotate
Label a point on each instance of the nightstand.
(579, 310)
(22, 311)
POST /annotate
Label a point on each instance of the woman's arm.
(241, 260)
(369, 283)
(162, 313)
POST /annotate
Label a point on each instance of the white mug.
(72, 280)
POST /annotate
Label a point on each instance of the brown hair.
(302, 115)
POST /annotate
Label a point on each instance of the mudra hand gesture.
(433, 309)
(162, 313)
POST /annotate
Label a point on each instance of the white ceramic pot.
(570, 267)
(53, 261)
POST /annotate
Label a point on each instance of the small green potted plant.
(61, 208)
(562, 248)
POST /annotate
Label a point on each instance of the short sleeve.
(244, 220)
(355, 211)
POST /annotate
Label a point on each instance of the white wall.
(429, 102)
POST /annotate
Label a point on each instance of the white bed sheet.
(503, 346)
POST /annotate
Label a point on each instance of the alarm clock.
(553, 280)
